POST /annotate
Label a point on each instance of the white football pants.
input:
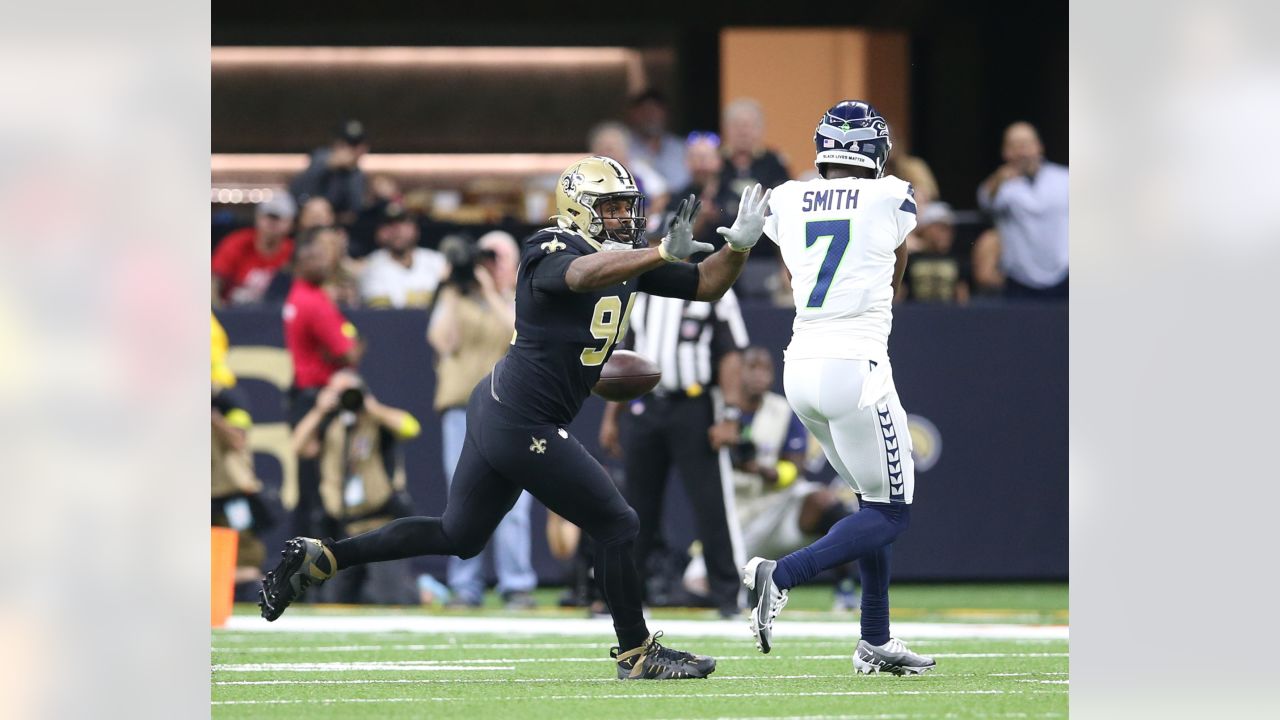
(852, 407)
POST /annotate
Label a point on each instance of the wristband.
(409, 427)
(732, 414)
(787, 473)
(662, 251)
(743, 250)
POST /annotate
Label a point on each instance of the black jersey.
(563, 338)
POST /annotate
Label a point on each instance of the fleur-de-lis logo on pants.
(553, 245)
(538, 446)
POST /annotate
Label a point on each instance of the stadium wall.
(986, 384)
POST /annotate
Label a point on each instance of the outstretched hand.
(679, 243)
(750, 221)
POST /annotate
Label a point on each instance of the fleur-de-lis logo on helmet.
(570, 181)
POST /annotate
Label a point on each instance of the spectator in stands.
(320, 342)
(470, 331)
(343, 284)
(719, 203)
(914, 170)
(400, 274)
(747, 161)
(651, 142)
(235, 489)
(611, 139)
(334, 173)
(383, 190)
(362, 480)
(934, 272)
(315, 212)
(988, 278)
(1028, 198)
(246, 260)
(779, 511)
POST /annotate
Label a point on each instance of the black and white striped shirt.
(687, 338)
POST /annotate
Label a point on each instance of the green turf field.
(515, 676)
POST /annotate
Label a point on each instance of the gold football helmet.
(584, 185)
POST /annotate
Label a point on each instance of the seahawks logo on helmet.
(853, 133)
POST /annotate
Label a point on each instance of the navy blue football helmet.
(853, 133)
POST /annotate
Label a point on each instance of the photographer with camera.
(362, 479)
(779, 510)
(235, 491)
(470, 331)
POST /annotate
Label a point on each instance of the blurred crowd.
(339, 239)
(388, 243)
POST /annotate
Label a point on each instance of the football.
(627, 376)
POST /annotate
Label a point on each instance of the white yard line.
(407, 666)
(411, 665)
(455, 681)
(905, 716)
(603, 627)
(260, 638)
(649, 696)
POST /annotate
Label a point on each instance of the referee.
(684, 423)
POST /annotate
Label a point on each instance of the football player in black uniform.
(576, 284)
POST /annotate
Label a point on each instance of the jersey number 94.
(609, 324)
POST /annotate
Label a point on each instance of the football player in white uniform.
(841, 237)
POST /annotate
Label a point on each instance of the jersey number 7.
(838, 231)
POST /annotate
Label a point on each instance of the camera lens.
(351, 399)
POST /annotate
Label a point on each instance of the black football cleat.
(652, 661)
(764, 600)
(892, 657)
(306, 562)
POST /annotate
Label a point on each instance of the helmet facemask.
(631, 227)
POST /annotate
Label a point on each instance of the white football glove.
(679, 244)
(750, 221)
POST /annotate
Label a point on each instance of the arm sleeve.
(906, 214)
(676, 280)
(984, 198)
(547, 272)
(334, 333)
(1011, 192)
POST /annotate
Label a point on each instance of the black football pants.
(503, 454)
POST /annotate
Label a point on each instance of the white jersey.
(387, 283)
(838, 239)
